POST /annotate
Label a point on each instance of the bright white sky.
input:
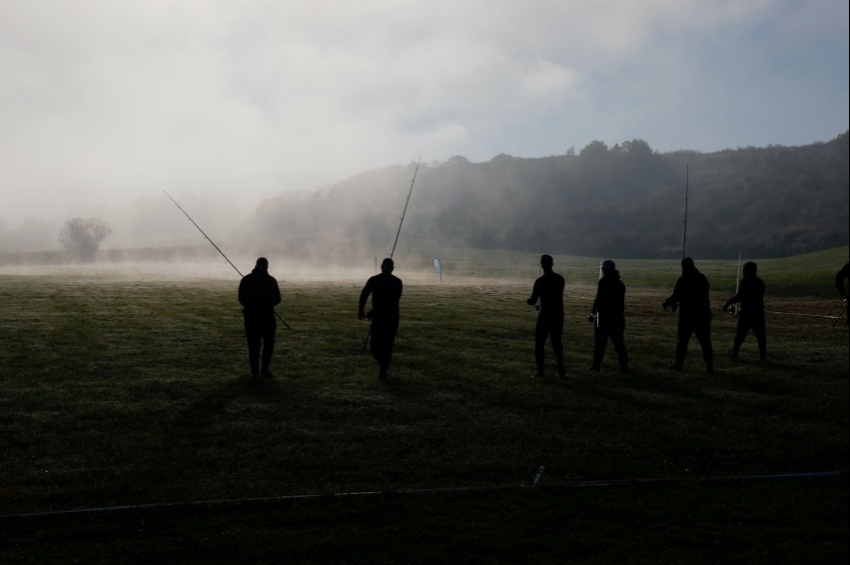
(110, 100)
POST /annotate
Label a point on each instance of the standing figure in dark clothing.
(385, 289)
(549, 290)
(259, 293)
(750, 300)
(843, 290)
(608, 313)
(690, 296)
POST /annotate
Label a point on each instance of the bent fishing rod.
(400, 223)
(279, 317)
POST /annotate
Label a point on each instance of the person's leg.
(760, 332)
(269, 331)
(741, 331)
(556, 334)
(252, 332)
(619, 342)
(703, 333)
(683, 336)
(541, 332)
(377, 345)
(390, 332)
(600, 342)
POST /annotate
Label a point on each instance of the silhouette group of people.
(259, 293)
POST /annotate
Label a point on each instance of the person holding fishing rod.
(259, 293)
(691, 297)
(750, 311)
(385, 289)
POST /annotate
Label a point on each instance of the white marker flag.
(439, 267)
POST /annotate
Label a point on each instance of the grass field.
(131, 431)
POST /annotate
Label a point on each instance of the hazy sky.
(108, 101)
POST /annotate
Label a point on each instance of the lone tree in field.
(81, 237)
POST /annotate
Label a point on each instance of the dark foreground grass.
(125, 390)
(783, 521)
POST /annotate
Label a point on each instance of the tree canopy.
(625, 201)
(81, 237)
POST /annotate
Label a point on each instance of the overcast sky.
(115, 100)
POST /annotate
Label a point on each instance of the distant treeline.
(187, 253)
(626, 201)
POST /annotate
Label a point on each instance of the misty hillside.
(626, 201)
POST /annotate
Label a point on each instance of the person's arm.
(737, 298)
(535, 293)
(275, 293)
(840, 277)
(596, 300)
(241, 293)
(364, 296)
(673, 300)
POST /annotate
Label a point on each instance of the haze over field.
(103, 104)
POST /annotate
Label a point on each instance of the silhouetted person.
(690, 296)
(608, 311)
(549, 290)
(385, 289)
(259, 293)
(750, 300)
(844, 290)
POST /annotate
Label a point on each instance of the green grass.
(122, 389)
(804, 275)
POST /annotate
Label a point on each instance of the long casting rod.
(838, 317)
(690, 482)
(685, 231)
(738, 274)
(279, 317)
(410, 192)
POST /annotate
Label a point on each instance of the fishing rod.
(838, 317)
(400, 223)
(537, 255)
(685, 233)
(824, 316)
(279, 317)
(734, 309)
(404, 212)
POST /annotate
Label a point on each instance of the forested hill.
(625, 201)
